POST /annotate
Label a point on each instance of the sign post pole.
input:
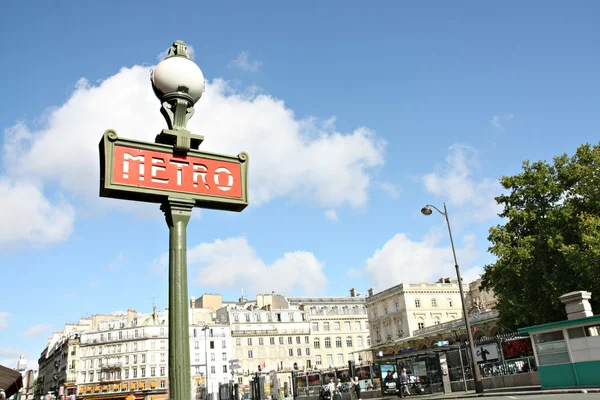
(177, 214)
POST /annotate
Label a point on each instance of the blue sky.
(355, 115)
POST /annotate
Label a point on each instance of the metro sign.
(135, 170)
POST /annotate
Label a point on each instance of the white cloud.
(244, 62)
(498, 120)
(331, 215)
(389, 188)
(118, 262)
(233, 263)
(456, 184)
(38, 221)
(37, 330)
(305, 159)
(4, 317)
(354, 272)
(402, 260)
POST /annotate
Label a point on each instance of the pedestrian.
(404, 383)
(2, 395)
(352, 390)
(357, 387)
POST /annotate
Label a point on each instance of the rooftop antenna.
(153, 305)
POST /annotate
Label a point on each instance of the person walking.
(404, 383)
(357, 387)
(352, 390)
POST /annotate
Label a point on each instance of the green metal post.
(177, 214)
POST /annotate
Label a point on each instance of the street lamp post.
(174, 173)
(476, 374)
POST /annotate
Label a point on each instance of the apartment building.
(268, 334)
(339, 329)
(58, 362)
(128, 355)
(398, 311)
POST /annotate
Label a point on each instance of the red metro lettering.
(152, 169)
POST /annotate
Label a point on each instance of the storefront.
(423, 370)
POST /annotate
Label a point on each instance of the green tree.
(550, 243)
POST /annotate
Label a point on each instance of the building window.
(298, 340)
(349, 341)
(196, 345)
(421, 325)
(298, 352)
(290, 352)
(247, 317)
(359, 341)
(143, 359)
(280, 339)
(212, 369)
(143, 372)
(197, 357)
(347, 326)
(340, 359)
(238, 341)
(290, 340)
(436, 321)
(223, 344)
(257, 316)
(162, 357)
(249, 341)
(153, 371)
(236, 318)
(326, 326)
(327, 342)
(397, 306)
(336, 326)
(261, 341)
(417, 303)
(368, 341)
(433, 303)
(135, 372)
(291, 315)
(225, 369)
(212, 344)
(450, 303)
(224, 356)
(338, 342)
(357, 326)
(272, 340)
(385, 310)
(315, 327)
(212, 356)
(318, 360)
(162, 371)
(250, 354)
(317, 343)
(329, 359)
(162, 384)
(307, 351)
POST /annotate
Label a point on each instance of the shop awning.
(10, 381)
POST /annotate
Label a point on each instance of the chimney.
(352, 292)
(370, 291)
(577, 304)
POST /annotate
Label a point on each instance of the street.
(565, 396)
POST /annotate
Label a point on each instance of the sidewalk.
(515, 391)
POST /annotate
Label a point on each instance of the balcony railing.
(457, 323)
(111, 365)
(123, 338)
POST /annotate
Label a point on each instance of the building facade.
(58, 362)
(339, 329)
(268, 335)
(398, 311)
(128, 356)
